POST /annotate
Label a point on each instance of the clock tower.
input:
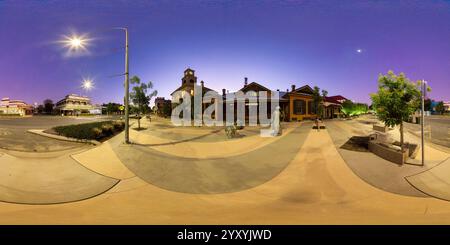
(189, 77)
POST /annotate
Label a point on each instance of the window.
(299, 107)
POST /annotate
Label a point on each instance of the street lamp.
(127, 87)
(87, 84)
(75, 42)
(423, 94)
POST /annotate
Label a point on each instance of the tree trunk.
(401, 136)
(139, 120)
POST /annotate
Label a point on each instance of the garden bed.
(357, 143)
(100, 131)
(389, 152)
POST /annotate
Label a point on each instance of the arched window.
(191, 81)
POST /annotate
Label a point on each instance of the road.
(440, 129)
(14, 135)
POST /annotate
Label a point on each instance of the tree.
(396, 100)
(440, 108)
(112, 108)
(48, 106)
(40, 109)
(347, 107)
(427, 105)
(166, 110)
(322, 107)
(352, 109)
(140, 98)
(318, 99)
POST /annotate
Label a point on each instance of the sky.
(341, 46)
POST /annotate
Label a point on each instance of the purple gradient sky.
(274, 43)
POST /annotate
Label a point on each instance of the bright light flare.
(87, 84)
(75, 42)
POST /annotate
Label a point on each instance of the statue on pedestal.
(275, 125)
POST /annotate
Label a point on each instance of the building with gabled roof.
(15, 107)
(189, 81)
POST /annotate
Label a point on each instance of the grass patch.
(90, 131)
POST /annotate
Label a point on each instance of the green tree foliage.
(166, 110)
(427, 105)
(396, 100)
(40, 109)
(440, 108)
(318, 99)
(112, 108)
(48, 106)
(353, 109)
(140, 96)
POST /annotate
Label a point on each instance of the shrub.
(88, 131)
(230, 131)
(118, 125)
(107, 129)
(97, 132)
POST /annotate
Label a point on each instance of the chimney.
(202, 83)
(293, 87)
(245, 81)
(287, 90)
(223, 91)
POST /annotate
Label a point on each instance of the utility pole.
(422, 120)
(127, 91)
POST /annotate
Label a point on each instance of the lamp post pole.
(75, 42)
(422, 120)
(127, 91)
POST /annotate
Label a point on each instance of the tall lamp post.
(79, 42)
(422, 119)
(127, 87)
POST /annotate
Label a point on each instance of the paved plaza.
(201, 177)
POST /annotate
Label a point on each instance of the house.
(256, 88)
(74, 104)
(295, 105)
(300, 103)
(161, 103)
(447, 106)
(333, 106)
(15, 107)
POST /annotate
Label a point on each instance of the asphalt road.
(440, 129)
(14, 135)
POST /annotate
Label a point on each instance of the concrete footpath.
(316, 187)
(48, 178)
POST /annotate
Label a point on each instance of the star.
(359, 51)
